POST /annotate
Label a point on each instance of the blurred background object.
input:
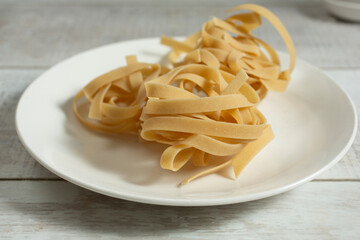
(348, 10)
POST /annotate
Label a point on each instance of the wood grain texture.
(44, 33)
(44, 210)
(39, 33)
(17, 163)
(153, 2)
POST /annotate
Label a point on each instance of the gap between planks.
(183, 3)
(63, 180)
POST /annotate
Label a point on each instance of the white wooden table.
(35, 203)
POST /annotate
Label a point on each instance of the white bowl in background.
(344, 9)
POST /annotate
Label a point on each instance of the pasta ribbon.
(115, 99)
(205, 106)
(210, 115)
(229, 45)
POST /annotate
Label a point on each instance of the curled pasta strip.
(229, 45)
(201, 112)
(115, 99)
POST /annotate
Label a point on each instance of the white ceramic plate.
(314, 122)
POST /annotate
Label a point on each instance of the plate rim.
(183, 202)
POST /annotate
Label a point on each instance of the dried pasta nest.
(200, 112)
(205, 104)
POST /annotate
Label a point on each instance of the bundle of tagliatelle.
(204, 107)
(228, 45)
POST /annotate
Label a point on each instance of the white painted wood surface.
(43, 210)
(35, 203)
(34, 35)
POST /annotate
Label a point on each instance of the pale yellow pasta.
(116, 98)
(198, 123)
(216, 46)
(205, 107)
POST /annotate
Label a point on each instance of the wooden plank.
(42, 209)
(153, 2)
(15, 162)
(42, 34)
